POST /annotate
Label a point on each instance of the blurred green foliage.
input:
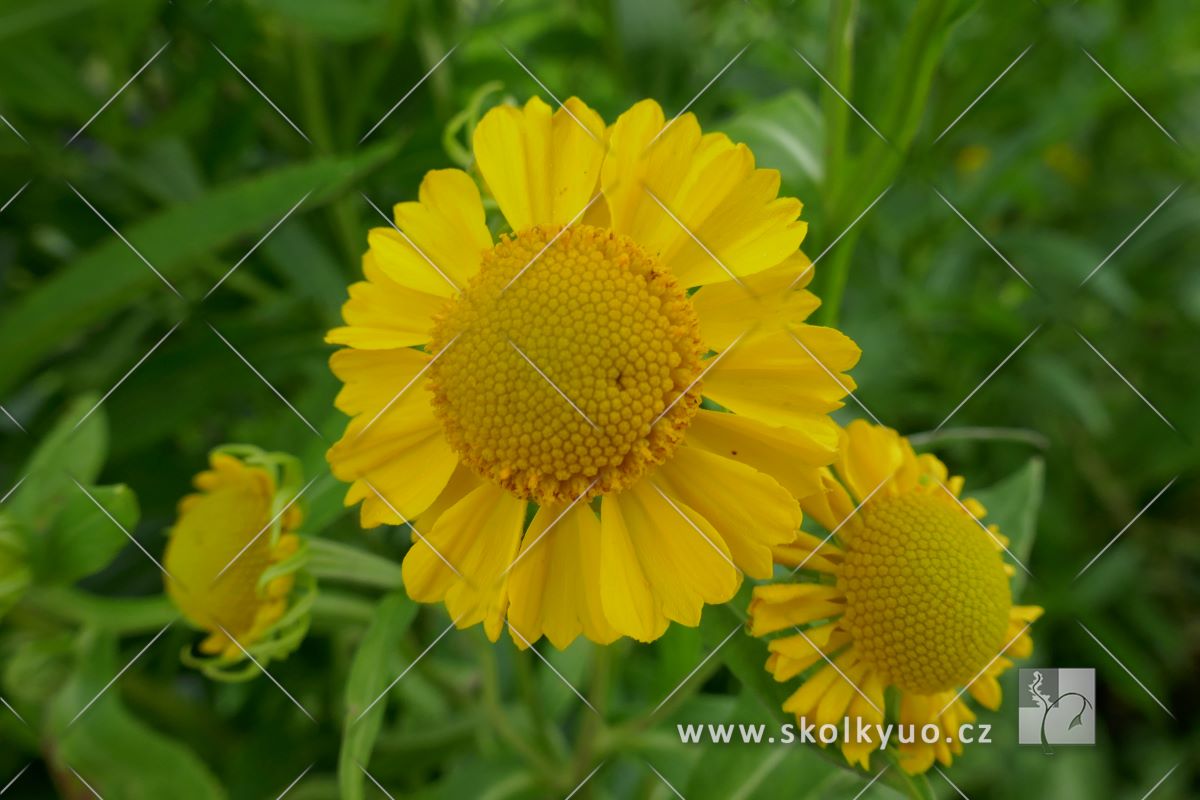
(1054, 167)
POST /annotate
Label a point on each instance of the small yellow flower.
(912, 594)
(560, 370)
(232, 556)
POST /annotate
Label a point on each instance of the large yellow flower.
(558, 372)
(232, 555)
(912, 593)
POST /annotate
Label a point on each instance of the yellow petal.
(463, 559)
(792, 457)
(870, 455)
(775, 380)
(382, 314)
(541, 167)
(444, 236)
(749, 510)
(627, 599)
(372, 378)
(670, 191)
(762, 303)
(555, 585)
(778, 606)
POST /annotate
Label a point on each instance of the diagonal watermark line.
(946, 777)
(553, 385)
(263, 670)
(561, 677)
(117, 677)
(261, 93)
(270, 386)
(695, 527)
(985, 529)
(871, 782)
(1108, 257)
(265, 528)
(378, 785)
(834, 377)
(553, 96)
(1128, 525)
(990, 86)
(408, 94)
(712, 362)
(405, 521)
(250, 252)
(110, 100)
(983, 238)
(15, 486)
(986, 667)
(549, 528)
(837, 669)
(697, 668)
(1127, 670)
(124, 530)
(697, 96)
(85, 783)
(407, 669)
(981, 384)
(1141, 396)
(7, 705)
(587, 778)
(12, 128)
(299, 778)
(812, 264)
(411, 243)
(553, 239)
(663, 778)
(1161, 780)
(128, 243)
(14, 779)
(841, 96)
(407, 386)
(125, 377)
(1125, 91)
(841, 525)
(694, 237)
(13, 419)
(16, 194)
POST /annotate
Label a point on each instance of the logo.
(1057, 707)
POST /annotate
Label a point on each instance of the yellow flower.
(912, 594)
(232, 556)
(559, 371)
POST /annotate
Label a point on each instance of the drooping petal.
(463, 559)
(382, 314)
(542, 166)
(748, 509)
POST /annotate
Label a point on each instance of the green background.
(1055, 166)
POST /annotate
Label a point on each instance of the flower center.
(927, 599)
(566, 363)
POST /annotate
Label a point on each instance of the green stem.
(330, 560)
(500, 722)
(841, 74)
(119, 615)
(598, 697)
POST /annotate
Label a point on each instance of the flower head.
(550, 410)
(233, 556)
(910, 592)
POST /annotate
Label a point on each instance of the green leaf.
(67, 452)
(119, 754)
(83, 540)
(175, 242)
(330, 560)
(1013, 504)
(375, 666)
(786, 133)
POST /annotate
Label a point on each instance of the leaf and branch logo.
(1048, 696)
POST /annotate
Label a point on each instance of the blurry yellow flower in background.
(560, 370)
(232, 559)
(912, 594)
